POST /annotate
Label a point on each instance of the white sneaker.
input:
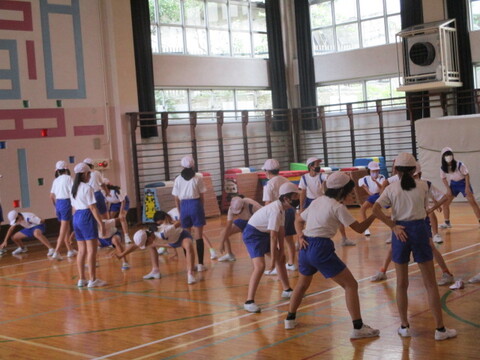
(57, 256)
(3, 251)
(290, 267)
(458, 285)
(19, 251)
(474, 279)
(388, 240)
(213, 254)
(447, 334)
(253, 308)
(227, 257)
(71, 253)
(96, 283)
(290, 324)
(127, 239)
(82, 283)
(404, 332)
(270, 272)
(191, 279)
(437, 239)
(365, 332)
(347, 242)
(367, 232)
(162, 251)
(125, 266)
(287, 294)
(446, 226)
(200, 268)
(51, 251)
(446, 279)
(152, 275)
(379, 276)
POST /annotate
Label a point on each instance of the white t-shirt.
(250, 207)
(174, 214)
(406, 205)
(62, 187)
(393, 179)
(272, 188)
(323, 217)
(372, 186)
(190, 189)
(110, 229)
(434, 194)
(30, 220)
(85, 197)
(269, 217)
(168, 232)
(96, 180)
(457, 175)
(114, 198)
(312, 184)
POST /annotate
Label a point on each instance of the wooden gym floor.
(43, 315)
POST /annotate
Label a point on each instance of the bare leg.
(446, 208)
(439, 258)
(474, 205)
(346, 280)
(91, 246)
(81, 256)
(17, 239)
(154, 259)
(300, 289)
(39, 236)
(290, 243)
(63, 236)
(118, 246)
(258, 269)
(402, 287)
(433, 223)
(428, 275)
(187, 244)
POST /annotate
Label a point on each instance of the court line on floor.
(70, 352)
(246, 315)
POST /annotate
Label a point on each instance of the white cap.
(418, 169)
(60, 165)
(445, 149)
(187, 161)
(236, 205)
(271, 164)
(405, 159)
(287, 188)
(88, 161)
(312, 159)
(373, 165)
(12, 217)
(81, 168)
(106, 181)
(337, 180)
(140, 238)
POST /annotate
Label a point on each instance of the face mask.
(449, 158)
(374, 175)
(317, 169)
(294, 203)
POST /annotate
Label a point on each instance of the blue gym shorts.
(319, 256)
(115, 207)
(240, 223)
(290, 222)
(29, 232)
(183, 235)
(85, 225)
(417, 243)
(63, 209)
(372, 198)
(100, 199)
(307, 202)
(257, 242)
(105, 242)
(458, 187)
(192, 213)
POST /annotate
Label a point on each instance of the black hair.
(79, 177)
(113, 187)
(342, 193)
(187, 173)
(274, 171)
(90, 165)
(151, 229)
(446, 168)
(61, 172)
(406, 173)
(161, 215)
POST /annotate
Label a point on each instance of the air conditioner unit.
(429, 57)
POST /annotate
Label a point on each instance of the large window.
(209, 27)
(339, 25)
(212, 99)
(374, 89)
(475, 14)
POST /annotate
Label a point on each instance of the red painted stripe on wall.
(25, 8)
(32, 66)
(88, 130)
(18, 115)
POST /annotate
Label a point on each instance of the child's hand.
(114, 254)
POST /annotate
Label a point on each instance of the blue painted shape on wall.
(11, 74)
(23, 172)
(47, 9)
